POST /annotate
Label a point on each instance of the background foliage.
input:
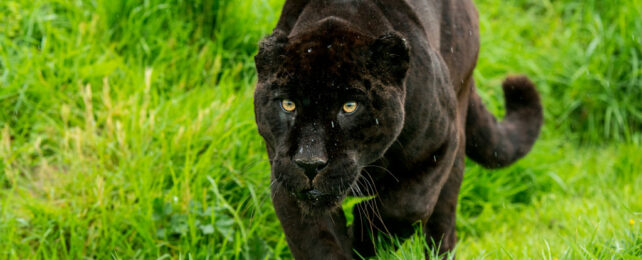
(127, 131)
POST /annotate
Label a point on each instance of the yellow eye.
(350, 107)
(288, 105)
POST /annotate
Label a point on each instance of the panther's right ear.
(270, 56)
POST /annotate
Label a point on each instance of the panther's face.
(328, 102)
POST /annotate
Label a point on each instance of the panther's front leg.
(318, 236)
(415, 198)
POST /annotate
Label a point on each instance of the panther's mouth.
(313, 198)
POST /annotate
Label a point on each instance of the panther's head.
(328, 102)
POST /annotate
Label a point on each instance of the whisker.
(400, 144)
(368, 204)
(363, 211)
(373, 204)
(276, 189)
(383, 168)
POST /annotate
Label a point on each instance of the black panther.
(377, 98)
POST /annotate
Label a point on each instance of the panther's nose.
(311, 165)
(310, 154)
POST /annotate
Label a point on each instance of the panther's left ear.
(271, 50)
(390, 58)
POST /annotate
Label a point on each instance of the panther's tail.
(497, 144)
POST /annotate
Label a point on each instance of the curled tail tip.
(496, 144)
(517, 81)
(521, 96)
(519, 87)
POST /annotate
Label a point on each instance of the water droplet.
(452, 50)
(301, 150)
(329, 46)
(309, 50)
(332, 124)
(377, 121)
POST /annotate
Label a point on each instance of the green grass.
(127, 131)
